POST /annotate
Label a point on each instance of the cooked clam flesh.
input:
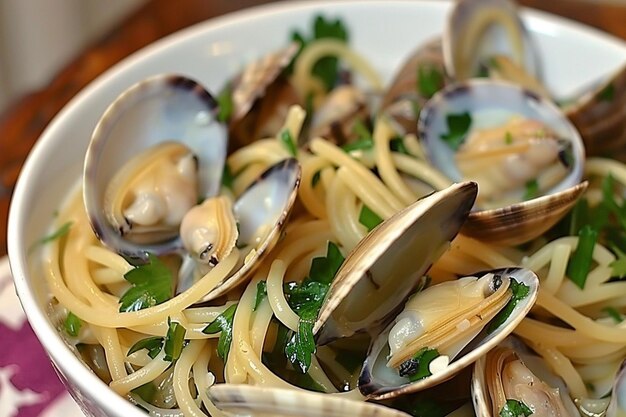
(445, 317)
(516, 161)
(147, 199)
(209, 230)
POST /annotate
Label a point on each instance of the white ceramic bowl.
(383, 31)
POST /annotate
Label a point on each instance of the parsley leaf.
(63, 230)
(520, 291)
(397, 145)
(316, 178)
(532, 190)
(416, 368)
(224, 324)
(261, 293)
(227, 177)
(429, 80)
(614, 314)
(508, 138)
(514, 408)
(327, 68)
(607, 93)
(306, 300)
(618, 266)
(152, 284)
(458, 126)
(364, 139)
(174, 341)
(287, 140)
(72, 324)
(368, 218)
(152, 344)
(580, 261)
(146, 392)
(225, 103)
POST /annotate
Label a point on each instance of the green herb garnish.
(60, 232)
(306, 300)
(146, 392)
(316, 178)
(368, 218)
(152, 344)
(514, 408)
(614, 314)
(458, 126)
(364, 139)
(227, 177)
(174, 341)
(607, 93)
(508, 138)
(416, 368)
(261, 294)
(580, 261)
(72, 324)
(224, 324)
(225, 104)
(397, 145)
(152, 284)
(429, 80)
(519, 292)
(327, 68)
(532, 190)
(618, 266)
(287, 140)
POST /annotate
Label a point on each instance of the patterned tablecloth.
(29, 386)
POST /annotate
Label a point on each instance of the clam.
(248, 400)
(261, 96)
(511, 373)
(156, 152)
(377, 273)
(404, 98)
(600, 117)
(137, 183)
(617, 405)
(525, 155)
(478, 31)
(446, 328)
(336, 117)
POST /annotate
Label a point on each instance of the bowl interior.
(383, 31)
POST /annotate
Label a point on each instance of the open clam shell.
(378, 381)
(248, 400)
(600, 117)
(617, 406)
(161, 108)
(489, 104)
(261, 213)
(512, 372)
(477, 30)
(387, 265)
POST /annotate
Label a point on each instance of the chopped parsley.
(618, 266)
(397, 145)
(146, 392)
(306, 300)
(614, 314)
(368, 218)
(316, 178)
(508, 138)
(227, 177)
(174, 341)
(607, 93)
(327, 68)
(261, 294)
(152, 284)
(429, 80)
(224, 324)
(519, 292)
(288, 141)
(532, 190)
(458, 126)
(152, 344)
(63, 230)
(72, 324)
(514, 408)
(417, 367)
(225, 104)
(580, 261)
(364, 140)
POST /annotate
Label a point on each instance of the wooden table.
(23, 122)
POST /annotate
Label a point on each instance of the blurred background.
(50, 49)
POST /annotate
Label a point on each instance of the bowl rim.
(95, 390)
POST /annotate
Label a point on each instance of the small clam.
(525, 155)
(478, 30)
(511, 372)
(254, 401)
(600, 117)
(446, 327)
(378, 271)
(261, 97)
(137, 185)
(617, 406)
(404, 97)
